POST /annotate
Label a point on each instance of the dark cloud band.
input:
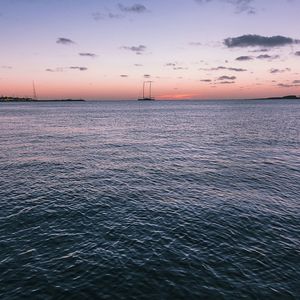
(252, 40)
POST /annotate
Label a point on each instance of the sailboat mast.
(34, 91)
(150, 86)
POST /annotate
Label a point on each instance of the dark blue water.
(163, 200)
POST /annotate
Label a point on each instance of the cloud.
(62, 69)
(285, 85)
(6, 67)
(195, 44)
(175, 66)
(78, 68)
(296, 82)
(241, 6)
(237, 69)
(124, 76)
(260, 50)
(226, 82)
(88, 54)
(55, 70)
(137, 49)
(225, 68)
(267, 56)
(135, 8)
(276, 71)
(114, 16)
(206, 80)
(64, 41)
(244, 58)
(227, 78)
(147, 76)
(297, 53)
(97, 16)
(138, 65)
(170, 64)
(180, 68)
(261, 57)
(253, 40)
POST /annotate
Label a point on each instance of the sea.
(150, 200)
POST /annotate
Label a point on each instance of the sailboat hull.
(146, 99)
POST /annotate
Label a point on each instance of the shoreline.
(40, 101)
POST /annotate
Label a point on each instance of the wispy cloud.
(6, 67)
(225, 77)
(287, 85)
(97, 16)
(195, 43)
(267, 56)
(135, 8)
(175, 66)
(260, 50)
(253, 40)
(226, 82)
(224, 68)
(276, 71)
(237, 69)
(180, 68)
(124, 75)
(170, 64)
(64, 41)
(62, 69)
(78, 68)
(88, 54)
(137, 49)
(241, 6)
(297, 53)
(59, 69)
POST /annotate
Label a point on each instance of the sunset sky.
(190, 49)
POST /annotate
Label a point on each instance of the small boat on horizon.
(149, 97)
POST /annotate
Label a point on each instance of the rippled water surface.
(162, 200)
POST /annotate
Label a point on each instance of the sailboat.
(149, 97)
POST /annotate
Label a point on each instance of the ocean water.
(158, 200)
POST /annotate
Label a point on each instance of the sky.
(190, 49)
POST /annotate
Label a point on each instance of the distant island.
(16, 99)
(289, 97)
(24, 99)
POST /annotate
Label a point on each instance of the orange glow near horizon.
(113, 92)
(126, 90)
